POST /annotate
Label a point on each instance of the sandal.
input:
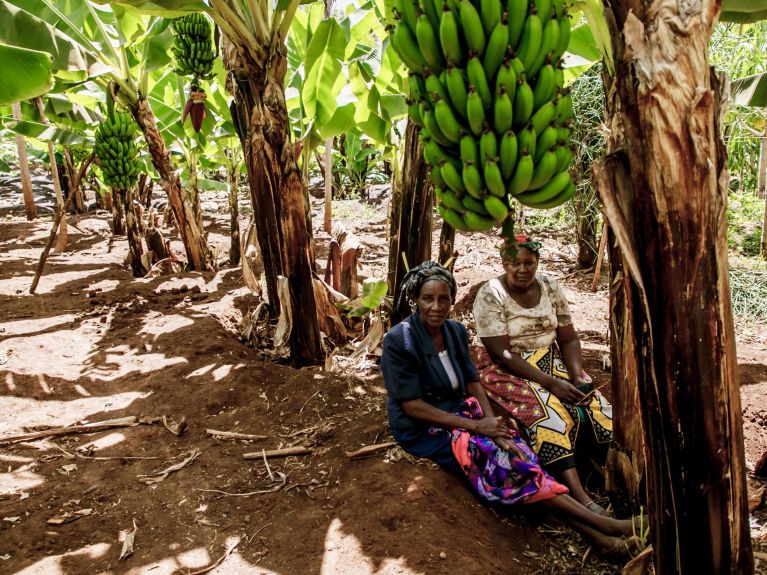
(595, 507)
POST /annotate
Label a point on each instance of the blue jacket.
(412, 370)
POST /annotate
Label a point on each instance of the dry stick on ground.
(218, 562)
(233, 434)
(369, 450)
(57, 220)
(284, 452)
(600, 257)
(77, 455)
(86, 428)
(249, 493)
(153, 478)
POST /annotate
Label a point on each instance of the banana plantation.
(208, 207)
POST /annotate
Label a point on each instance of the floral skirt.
(555, 427)
(498, 475)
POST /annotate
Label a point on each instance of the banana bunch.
(193, 46)
(486, 87)
(116, 150)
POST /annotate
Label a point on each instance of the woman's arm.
(489, 426)
(570, 346)
(516, 365)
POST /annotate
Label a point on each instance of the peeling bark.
(133, 231)
(233, 177)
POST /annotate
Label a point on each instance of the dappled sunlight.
(200, 371)
(25, 353)
(103, 286)
(48, 283)
(157, 324)
(28, 326)
(119, 361)
(20, 479)
(57, 564)
(22, 411)
(109, 440)
(343, 554)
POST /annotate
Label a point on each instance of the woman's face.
(434, 303)
(520, 271)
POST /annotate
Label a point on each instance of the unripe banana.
(453, 218)
(449, 38)
(431, 126)
(453, 179)
(475, 111)
(490, 14)
(564, 157)
(432, 153)
(427, 41)
(469, 149)
(476, 75)
(508, 154)
(488, 146)
(564, 36)
(472, 27)
(472, 204)
(503, 112)
(527, 140)
(547, 139)
(523, 103)
(543, 7)
(517, 65)
(558, 200)
(408, 12)
(436, 176)
(544, 170)
(493, 178)
(432, 15)
(559, 76)
(564, 107)
(549, 39)
(435, 87)
(530, 42)
(517, 10)
(448, 199)
(447, 121)
(414, 112)
(555, 186)
(522, 174)
(416, 87)
(543, 117)
(507, 78)
(407, 48)
(472, 180)
(478, 223)
(496, 208)
(544, 86)
(456, 89)
(497, 45)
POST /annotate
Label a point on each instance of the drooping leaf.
(750, 91)
(26, 74)
(583, 45)
(323, 62)
(163, 8)
(46, 133)
(342, 120)
(373, 292)
(743, 11)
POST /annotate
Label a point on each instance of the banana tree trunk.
(233, 176)
(762, 185)
(194, 191)
(61, 238)
(664, 196)
(328, 171)
(26, 180)
(447, 245)
(133, 231)
(412, 237)
(118, 213)
(191, 234)
(278, 193)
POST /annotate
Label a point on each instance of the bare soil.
(96, 344)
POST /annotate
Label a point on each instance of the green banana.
(544, 86)
(517, 65)
(544, 170)
(547, 139)
(472, 204)
(543, 116)
(431, 126)
(517, 10)
(414, 111)
(478, 223)
(507, 78)
(549, 39)
(453, 179)
(488, 146)
(472, 180)
(468, 148)
(446, 198)
(449, 37)
(564, 36)
(447, 121)
(496, 208)
(564, 157)
(453, 218)
(508, 154)
(543, 7)
(432, 14)
(429, 44)
(490, 14)
(435, 87)
(530, 42)
(406, 46)
(408, 12)
(497, 45)
(555, 186)
(416, 86)
(475, 72)
(523, 103)
(503, 112)
(558, 200)
(432, 153)
(436, 176)
(456, 89)
(475, 111)
(522, 174)
(493, 178)
(564, 107)
(472, 27)
(527, 140)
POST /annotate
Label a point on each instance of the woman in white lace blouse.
(530, 364)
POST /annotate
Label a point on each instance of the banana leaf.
(323, 62)
(743, 11)
(26, 74)
(45, 133)
(750, 91)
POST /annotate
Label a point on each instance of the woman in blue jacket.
(438, 409)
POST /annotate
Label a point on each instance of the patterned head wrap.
(413, 281)
(510, 245)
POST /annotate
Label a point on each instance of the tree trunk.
(193, 190)
(586, 234)
(447, 246)
(278, 193)
(762, 185)
(118, 213)
(328, 172)
(61, 238)
(233, 175)
(665, 200)
(413, 236)
(135, 237)
(191, 235)
(26, 180)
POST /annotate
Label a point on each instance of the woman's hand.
(492, 427)
(509, 445)
(564, 390)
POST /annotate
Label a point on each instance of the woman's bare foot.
(617, 547)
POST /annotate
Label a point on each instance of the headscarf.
(509, 246)
(427, 271)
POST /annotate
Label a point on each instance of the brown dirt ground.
(96, 344)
